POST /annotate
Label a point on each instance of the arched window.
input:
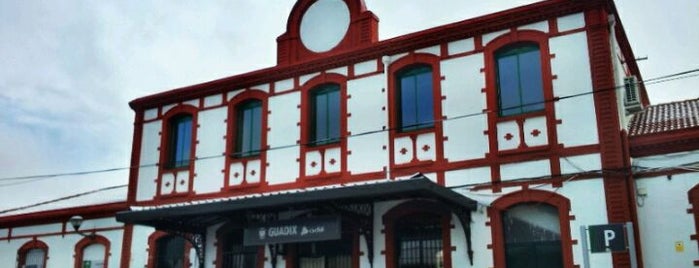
(325, 114)
(179, 141)
(33, 254)
(170, 252)
(248, 129)
(419, 242)
(532, 236)
(531, 228)
(232, 252)
(418, 235)
(92, 252)
(519, 79)
(414, 98)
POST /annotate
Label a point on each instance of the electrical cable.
(63, 198)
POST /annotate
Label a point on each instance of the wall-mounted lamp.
(76, 221)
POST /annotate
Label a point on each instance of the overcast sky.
(69, 68)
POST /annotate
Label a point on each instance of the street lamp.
(76, 221)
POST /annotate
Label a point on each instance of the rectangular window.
(180, 141)
(325, 115)
(415, 99)
(519, 80)
(249, 134)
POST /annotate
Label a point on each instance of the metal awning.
(196, 215)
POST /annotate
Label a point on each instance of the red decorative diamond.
(314, 164)
(536, 133)
(426, 148)
(235, 175)
(182, 182)
(403, 151)
(509, 136)
(253, 172)
(167, 184)
(332, 161)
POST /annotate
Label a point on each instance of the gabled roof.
(665, 117)
(665, 128)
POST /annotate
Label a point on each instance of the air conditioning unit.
(632, 99)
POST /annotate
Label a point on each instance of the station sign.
(293, 231)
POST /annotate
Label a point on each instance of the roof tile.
(665, 117)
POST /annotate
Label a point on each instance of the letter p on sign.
(609, 235)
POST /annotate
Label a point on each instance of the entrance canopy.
(195, 216)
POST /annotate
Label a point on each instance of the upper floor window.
(414, 98)
(180, 141)
(249, 129)
(325, 115)
(519, 79)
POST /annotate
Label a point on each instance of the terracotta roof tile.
(665, 117)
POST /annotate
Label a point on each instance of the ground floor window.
(532, 236)
(419, 242)
(234, 254)
(325, 254)
(170, 252)
(35, 258)
(531, 228)
(33, 254)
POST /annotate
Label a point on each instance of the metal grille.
(419, 242)
(239, 260)
(170, 251)
(326, 254)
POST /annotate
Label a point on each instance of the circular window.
(324, 25)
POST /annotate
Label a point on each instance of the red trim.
(62, 215)
(164, 153)
(665, 142)
(618, 186)
(33, 244)
(88, 241)
(135, 156)
(362, 31)
(693, 197)
(411, 60)
(306, 89)
(408, 208)
(231, 140)
(526, 196)
(126, 246)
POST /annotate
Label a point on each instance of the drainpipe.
(386, 62)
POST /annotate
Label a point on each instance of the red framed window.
(179, 147)
(325, 121)
(519, 79)
(33, 254)
(248, 129)
(414, 98)
(92, 252)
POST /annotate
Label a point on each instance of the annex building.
(497, 141)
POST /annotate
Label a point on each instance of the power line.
(64, 198)
(656, 80)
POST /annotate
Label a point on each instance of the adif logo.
(262, 233)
